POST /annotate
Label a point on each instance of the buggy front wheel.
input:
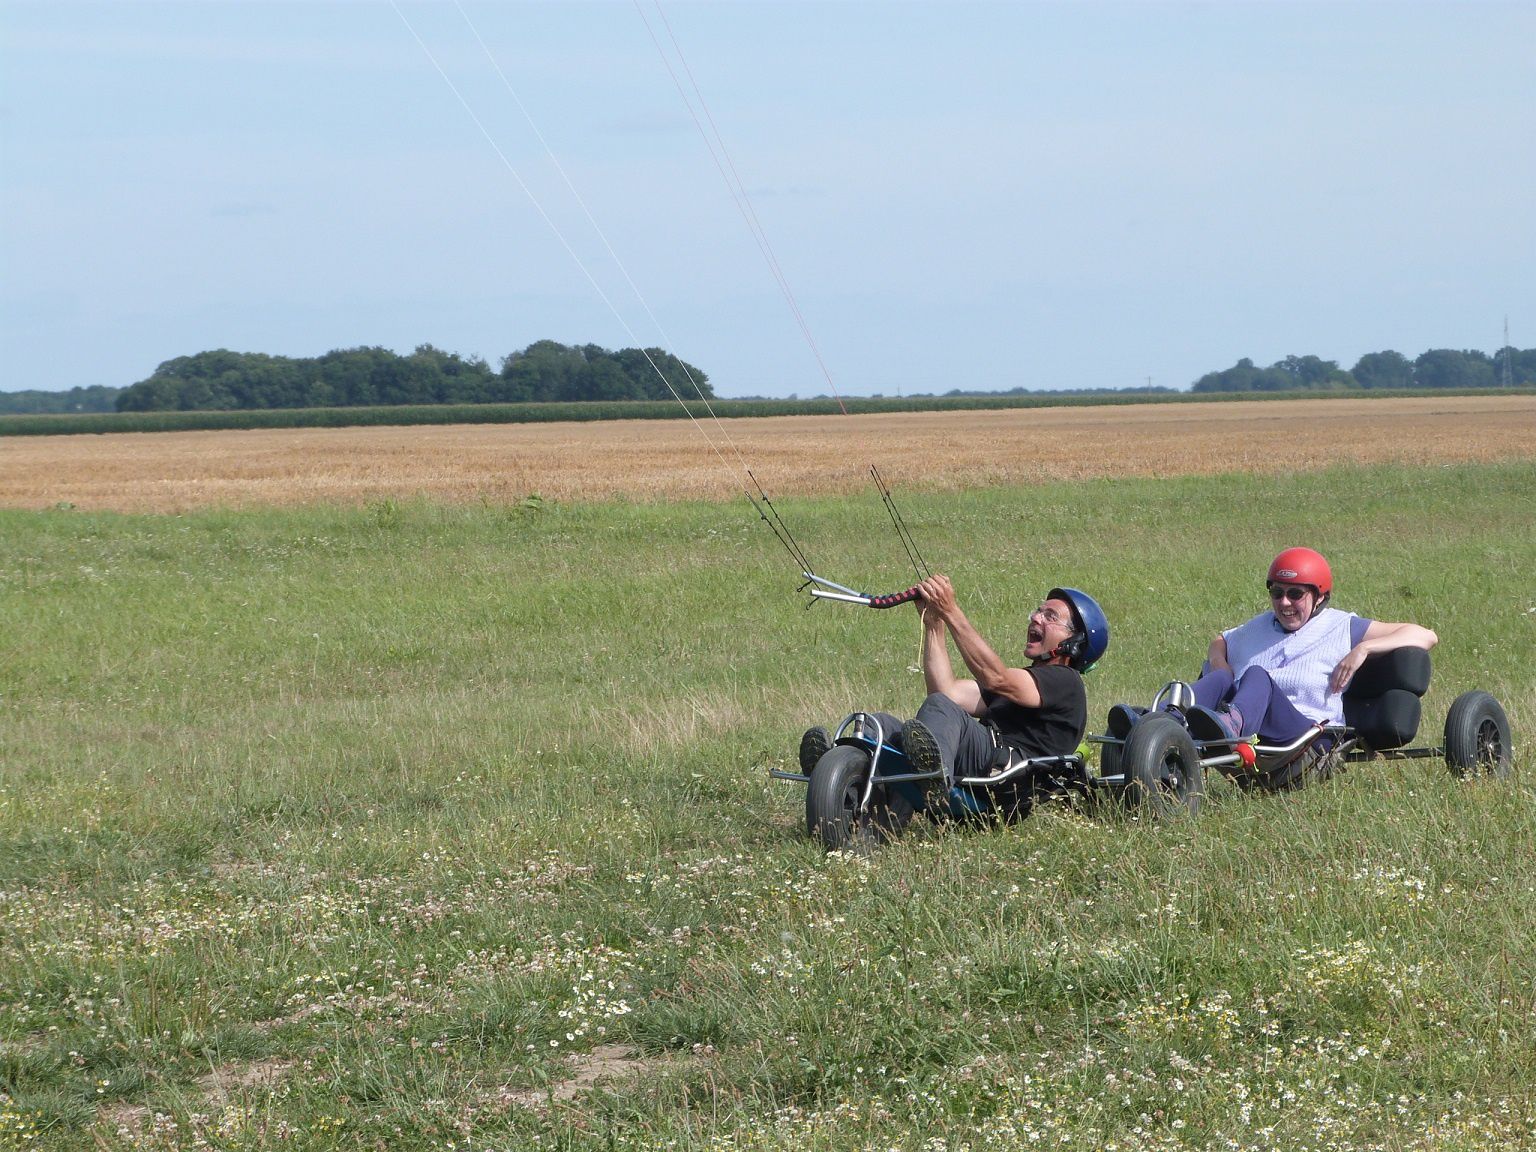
(833, 797)
(1162, 767)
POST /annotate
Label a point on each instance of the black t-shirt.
(1053, 729)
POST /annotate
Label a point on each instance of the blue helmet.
(1090, 640)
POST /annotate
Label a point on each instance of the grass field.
(416, 823)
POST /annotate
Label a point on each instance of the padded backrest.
(1404, 668)
(1382, 702)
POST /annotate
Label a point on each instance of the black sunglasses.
(1293, 593)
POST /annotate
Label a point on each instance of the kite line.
(756, 495)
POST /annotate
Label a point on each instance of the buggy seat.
(1383, 702)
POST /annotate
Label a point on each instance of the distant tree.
(1312, 372)
(1226, 381)
(1448, 368)
(1383, 370)
(1244, 377)
(658, 373)
(155, 394)
(94, 398)
(1521, 364)
(605, 379)
(549, 371)
(545, 370)
(347, 374)
(448, 378)
(316, 390)
(1437, 368)
(346, 377)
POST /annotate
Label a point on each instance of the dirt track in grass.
(789, 455)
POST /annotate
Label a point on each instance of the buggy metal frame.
(864, 787)
(850, 798)
(1162, 764)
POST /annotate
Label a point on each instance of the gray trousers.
(965, 744)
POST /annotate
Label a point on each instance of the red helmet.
(1301, 566)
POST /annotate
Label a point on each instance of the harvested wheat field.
(659, 460)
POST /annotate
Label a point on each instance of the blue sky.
(1038, 195)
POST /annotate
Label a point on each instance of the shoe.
(922, 750)
(815, 744)
(1122, 718)
(1214, 724)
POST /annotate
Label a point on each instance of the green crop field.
(413, 826)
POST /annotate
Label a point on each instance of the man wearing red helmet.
(1285, 670)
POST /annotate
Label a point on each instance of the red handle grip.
(894, 598)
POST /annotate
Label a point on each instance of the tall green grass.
(385, 828)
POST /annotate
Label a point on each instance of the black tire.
(1477, 736)
(1109, 759)
(1162, 768)
(832, 802)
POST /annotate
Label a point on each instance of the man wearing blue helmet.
(967, 726)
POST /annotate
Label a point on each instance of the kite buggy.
(863, 786)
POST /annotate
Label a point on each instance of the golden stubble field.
(661, 460)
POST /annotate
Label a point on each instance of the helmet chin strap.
(1066, 650)
(1070, 648)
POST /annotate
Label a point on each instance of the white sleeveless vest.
(1298, 662)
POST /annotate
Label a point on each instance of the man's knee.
(937, 703)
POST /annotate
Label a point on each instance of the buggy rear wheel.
(1477, 736)
(1162, 767)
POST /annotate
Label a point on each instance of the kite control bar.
(831, 591)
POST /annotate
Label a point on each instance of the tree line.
(357, 377)
(549, 372)
(1437, 368)
(35, 401)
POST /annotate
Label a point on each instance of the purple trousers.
(1254, 695)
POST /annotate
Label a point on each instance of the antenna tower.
(1507, 377)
